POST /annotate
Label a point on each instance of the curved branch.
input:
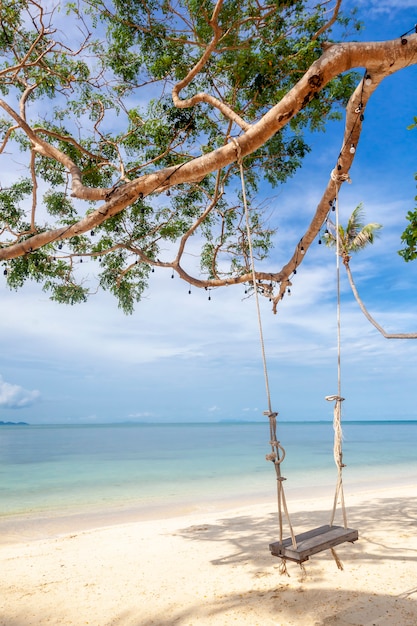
(7, 135)
(330, 22)
(369, 316)
(204, 97)
(217, 33)
(353, 127)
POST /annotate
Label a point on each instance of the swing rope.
(277, 454)
(337, 411)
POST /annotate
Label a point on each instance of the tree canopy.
(132, 118)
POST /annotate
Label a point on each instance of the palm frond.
(356, 221)
(356, 236)
(365, 236)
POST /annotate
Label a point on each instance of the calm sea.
(64, 470)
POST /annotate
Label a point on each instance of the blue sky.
(184, 357)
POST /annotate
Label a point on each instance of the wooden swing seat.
(312, 541)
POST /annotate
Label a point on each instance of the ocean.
(59, 470)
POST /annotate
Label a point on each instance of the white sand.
(214, 568)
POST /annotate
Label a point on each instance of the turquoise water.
(72, 469)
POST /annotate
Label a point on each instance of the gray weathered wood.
(313, 541)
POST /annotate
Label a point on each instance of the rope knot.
(335, 398)
(339, 178)
(238, 150)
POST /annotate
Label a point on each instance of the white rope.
(337, 412)
(248, 231)
(277, 451)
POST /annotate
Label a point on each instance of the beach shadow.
(306, 607)
(279, 605)
(247, 538)
(385, 527)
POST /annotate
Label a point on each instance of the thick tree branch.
(380, 59)
(353, 126)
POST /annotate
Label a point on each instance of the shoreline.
(35, 526)
(213, 568)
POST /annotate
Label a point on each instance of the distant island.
(13, 423)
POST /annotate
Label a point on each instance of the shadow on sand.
(244, 540)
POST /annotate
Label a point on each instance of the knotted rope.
(337, 411)
(338, 458)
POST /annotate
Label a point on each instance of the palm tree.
(355, 237)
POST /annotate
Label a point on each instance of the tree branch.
(45, 149)
(369, 316)
(353, 126)
(204, 97)
(380, 58)
(330, 22)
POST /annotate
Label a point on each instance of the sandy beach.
(213, 567)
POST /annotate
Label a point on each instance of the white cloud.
(140, 415)
(386, 6)
(15, 396)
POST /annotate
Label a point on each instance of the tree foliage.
(409, 237)
(130, 118)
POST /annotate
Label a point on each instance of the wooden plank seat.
(312, 542)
